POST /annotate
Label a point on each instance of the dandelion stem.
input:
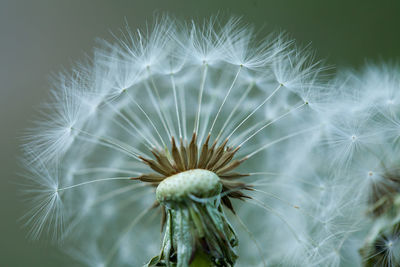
(129, 123)
(183, 108)
(226, 96)
(163, 112)
(176, 105)
(203, 80)
(157, 108)
(271, 122)
(255, 110)
(281, 140)
(102, 170)
(251, 85)
(148, 118)
(113, 144)
(93, 181)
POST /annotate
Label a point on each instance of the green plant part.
(382, 245)
(192, 189)
(197, 233)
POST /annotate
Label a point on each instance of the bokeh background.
(40, 37)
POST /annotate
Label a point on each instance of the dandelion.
(178, 123)
(362, 139)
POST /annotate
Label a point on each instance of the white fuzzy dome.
(198, 182)
(307, 145)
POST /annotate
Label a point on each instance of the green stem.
(201, 260)
(199, 228)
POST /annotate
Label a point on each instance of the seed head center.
(197, 182)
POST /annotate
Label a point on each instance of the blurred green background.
(39, 37)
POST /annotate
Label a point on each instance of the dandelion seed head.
(213, 100)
